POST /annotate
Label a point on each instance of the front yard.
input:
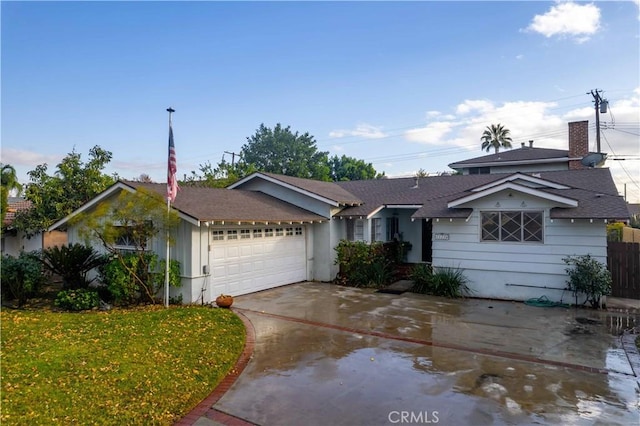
(142, 366)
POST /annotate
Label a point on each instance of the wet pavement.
(331, 355)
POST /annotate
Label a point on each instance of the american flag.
(172, 182)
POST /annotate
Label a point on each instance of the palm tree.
(8, 182)
(496, 136)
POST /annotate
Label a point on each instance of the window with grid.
(376, 229)
(132, 237)
(217, 235)
(232, 234)
(245, 233)
(355, 229)
(257, 233)
(268, 232)
(515, 226)
(299, 230)
(279, 232)
(289, 232)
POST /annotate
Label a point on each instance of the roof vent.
(416, 184)
(531, 143)
(521, 145)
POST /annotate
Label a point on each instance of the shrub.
(588, 276)
(446, 282)
(421, 276)
(72, 263)
(77, 300)
(614, 231)
(362, 264)
(22, 276)
(449, 282)
(133, 278)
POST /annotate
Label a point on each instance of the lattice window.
(217, 234)
(512, 226)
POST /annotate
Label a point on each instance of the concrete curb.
(205, 408)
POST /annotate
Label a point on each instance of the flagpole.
(168, 259)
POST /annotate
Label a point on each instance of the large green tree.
(496, 136)
(349, 168)
(8, 182)
(54, 196)
(280, 150)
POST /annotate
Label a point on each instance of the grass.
(144, 366)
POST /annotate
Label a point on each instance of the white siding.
(515, 270)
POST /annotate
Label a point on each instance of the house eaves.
(457, 166)
(118, 186)
(568, 202)
(337, 197)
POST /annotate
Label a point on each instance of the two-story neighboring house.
(528, 159)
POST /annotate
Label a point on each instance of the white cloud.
(469, 106)
(19, 157)
(432, 134)
(568, 19)
(362, 130)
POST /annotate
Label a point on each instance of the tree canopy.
(8, 183)
(280, 150)
(496, 136)
(55, 196)
(349, 168)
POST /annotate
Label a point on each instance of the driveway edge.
(205, 407)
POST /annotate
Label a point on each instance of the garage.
(249, 259)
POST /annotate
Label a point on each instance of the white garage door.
(245, 260)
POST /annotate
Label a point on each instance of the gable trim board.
(563, 201)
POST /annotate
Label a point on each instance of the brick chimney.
(578, 143)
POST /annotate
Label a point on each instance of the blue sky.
(403, 85)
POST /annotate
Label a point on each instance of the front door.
(427, 231)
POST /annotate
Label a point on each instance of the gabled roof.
(219, 204)
(325, 191)
(15, 205)
(524, 155)
(579, 194)
(197, 205)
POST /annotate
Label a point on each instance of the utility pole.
(233, 157)
(601, 106)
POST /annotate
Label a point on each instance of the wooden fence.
(623, 261)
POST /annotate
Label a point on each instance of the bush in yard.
(131, 278)
(21, 276)
(421, 276)
(444, 281)
(77, 300)
(589, 277)
(362, 264)
(72, 262)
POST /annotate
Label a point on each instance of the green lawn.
(141, 366)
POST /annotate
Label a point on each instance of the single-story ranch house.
(508, 231)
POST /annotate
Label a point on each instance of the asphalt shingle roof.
(209, 204)
(594, 190)
(520, 154)
(327, 190)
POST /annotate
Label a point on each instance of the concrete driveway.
(331, 355)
